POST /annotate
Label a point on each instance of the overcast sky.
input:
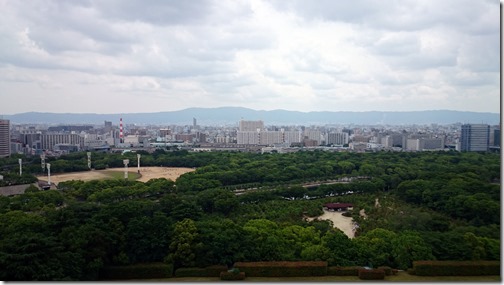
(122, 56)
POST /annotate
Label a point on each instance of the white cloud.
(297, 55)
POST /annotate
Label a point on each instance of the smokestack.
(121, 131)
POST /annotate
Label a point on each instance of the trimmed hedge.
(210, 271)
(215, 270)
(137, 271)
(283, 268)
(456, 268)
(343, 270)
(226, 275)
(387, 269)
(371, 274)
(191, 272)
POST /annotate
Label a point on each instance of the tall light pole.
(20, 166)
(126, 161)
(89, 160)
(42, 161)
(49, 174)
(138, 164)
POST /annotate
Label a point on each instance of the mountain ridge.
(231, 115)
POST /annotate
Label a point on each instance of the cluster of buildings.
(254, 136)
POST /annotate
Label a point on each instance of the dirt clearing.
(147, 173)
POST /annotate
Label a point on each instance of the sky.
(128, 56)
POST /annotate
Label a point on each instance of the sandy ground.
(339, 221)
(147, 173)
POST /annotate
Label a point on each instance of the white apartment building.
(251, 126)
(249, 137)
(292, 136)
(270, 137)
(337, 138)
(313, 135)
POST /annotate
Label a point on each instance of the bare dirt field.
(147, 173)
(339, 221)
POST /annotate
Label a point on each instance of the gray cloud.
(299, 55)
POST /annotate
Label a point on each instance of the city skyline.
(109, 57)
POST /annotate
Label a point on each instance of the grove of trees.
(433, 206)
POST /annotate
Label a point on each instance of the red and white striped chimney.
(121, 131)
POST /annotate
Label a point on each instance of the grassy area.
(400, 277)
(132, 176)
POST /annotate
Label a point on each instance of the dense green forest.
(433, 206)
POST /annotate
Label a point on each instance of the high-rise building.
(337, 138)
(475, 137)
(4, 138)
(313, 135)
(251, 126)
(497, 137)
(50, 140)
(247, 137)
(292, 136)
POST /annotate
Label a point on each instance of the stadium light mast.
(42, 162)
(89, 159)
(138, 164)
(49, 174)
(126, 161)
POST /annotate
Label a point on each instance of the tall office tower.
(475, 137)
(4, 138)
(251, 126)
(194, 124)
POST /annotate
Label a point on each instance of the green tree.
(407, 247)
(184, 244)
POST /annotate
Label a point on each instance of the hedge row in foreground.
(210, 271)
(456, 268)
(283, 268)
(371, 274)
(226, 275)
(343, 270)
(137, 271)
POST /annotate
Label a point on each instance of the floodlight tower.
(89, 159)
(42, 162)
(138, 164)
(20, 166)
(49, 174)
(125, 161)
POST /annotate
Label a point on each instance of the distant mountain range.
(231, 115)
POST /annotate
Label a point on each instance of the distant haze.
(231, 115)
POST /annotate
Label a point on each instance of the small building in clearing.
(338, 206)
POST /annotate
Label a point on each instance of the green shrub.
(343, 270)
(226, 275)
(137, 271)
(371, 274)
(283, 268)
(456, 268)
